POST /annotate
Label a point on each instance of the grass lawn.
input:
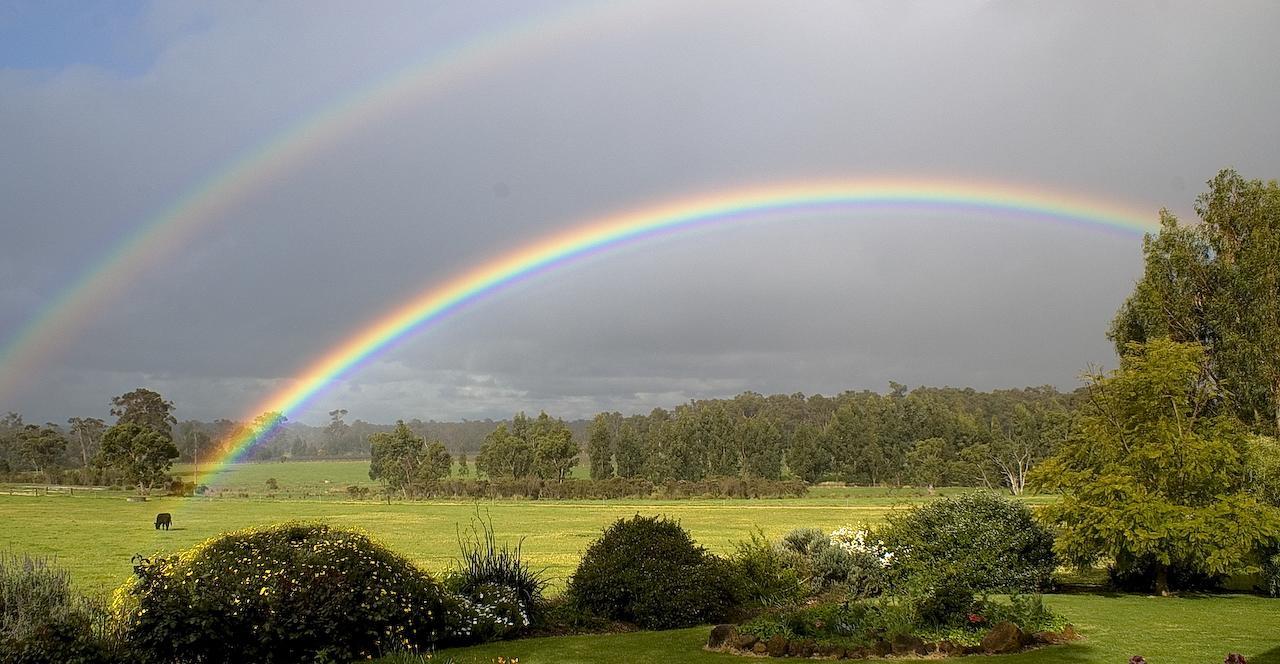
(1187, 630)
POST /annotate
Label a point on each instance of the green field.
(94, 533)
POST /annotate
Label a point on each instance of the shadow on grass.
(1269, 657)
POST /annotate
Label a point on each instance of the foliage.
(42, 619)
(144, 408)
(1263, 469)
(141, 454)
(764, 574)
(600, 446)
(1215, 284)
(495, 575)
(41, 447)
(989, 542)
(542, 447)
(405, 462)
(1154, 476)
(616, 487)
(648, 571)
(284, 593)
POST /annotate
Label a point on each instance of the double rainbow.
(436, 302)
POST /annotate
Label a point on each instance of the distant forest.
(926, 436)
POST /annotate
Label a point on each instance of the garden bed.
(1004, 637)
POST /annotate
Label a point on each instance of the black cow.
(163, 519)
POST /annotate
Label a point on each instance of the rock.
(744, 641)
(832, 650)
(926, 648)
(807, 648)
(880, 648)
(721, 635)
(906, 644)
(1004, 637)
(760, 648)
(777, 646)
(855, 653)
(950, 649)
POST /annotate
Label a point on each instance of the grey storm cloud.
(1136, 102)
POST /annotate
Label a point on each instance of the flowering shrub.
(990, 543)
(287, 593)
(487, 613)
(859, 542)
(648, 571)
(488, 572)
(852, 558)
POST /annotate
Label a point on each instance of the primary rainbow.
(613, 231)
(164, 234)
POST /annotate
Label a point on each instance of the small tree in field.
(1154, 475)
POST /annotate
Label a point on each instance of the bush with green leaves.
(851, 559)
(648, 571)
(42, 619)
(989, 542)
(764, 574)
(286, 593)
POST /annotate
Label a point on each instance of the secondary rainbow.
(164, 234)
(437, 301)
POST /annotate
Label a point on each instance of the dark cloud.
(1138, 103)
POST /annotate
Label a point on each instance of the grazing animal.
(163, 519)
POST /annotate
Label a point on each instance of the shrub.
(648, 571)
(764, 575)
(293, 592)
(43, 620)
(991, 543)
(805, 541)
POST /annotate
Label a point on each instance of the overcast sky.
(110, 111)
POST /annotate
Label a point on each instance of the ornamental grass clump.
(286, 593)
(499, 594)
(42, 619)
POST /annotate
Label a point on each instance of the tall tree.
(554, 451)
(403, 460)
(145, 408)
(42, 447)
(761, 444)
(139, 452)
(1218, 284)
(337, 432)
(809, 459)
(629, 451)
(88, 433)
(600, 447)
(504, 454)
(1153, 478)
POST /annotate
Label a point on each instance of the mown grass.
(1190, 630)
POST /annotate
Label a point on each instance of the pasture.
(95, 533)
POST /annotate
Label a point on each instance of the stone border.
(1003, 638)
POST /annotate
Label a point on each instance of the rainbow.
(614, 231)
(164, 234)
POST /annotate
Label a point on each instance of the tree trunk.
(1162, 580)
